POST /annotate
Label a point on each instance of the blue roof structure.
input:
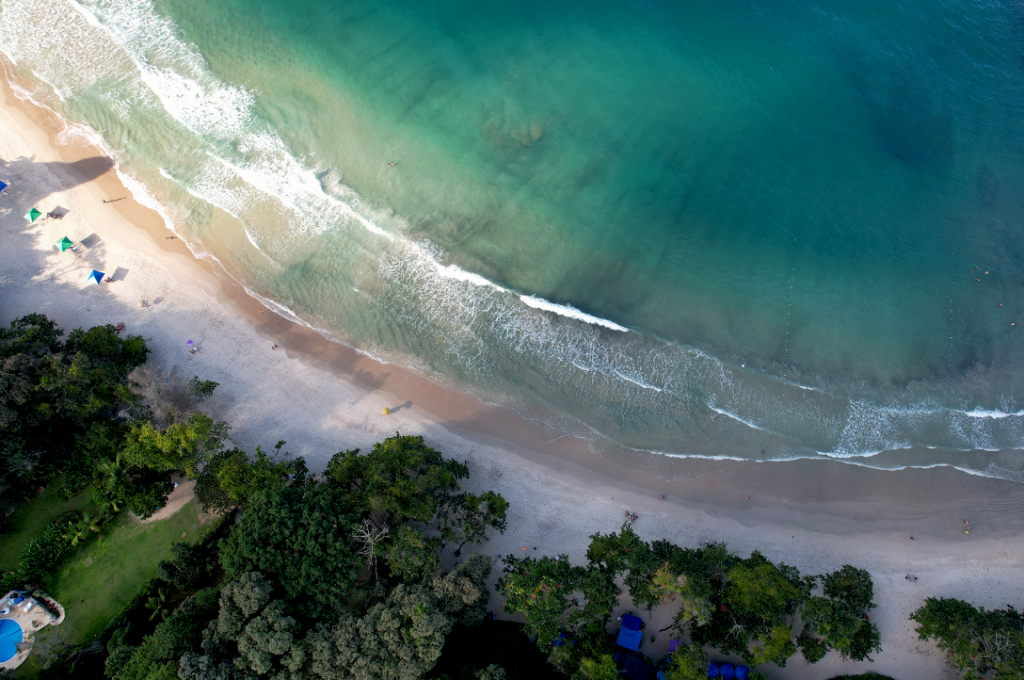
(630, 635)
(10, 635)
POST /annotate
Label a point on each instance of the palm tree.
(112, 473)
(90, 522)
(159, 604)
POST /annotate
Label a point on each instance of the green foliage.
(978, 641)
(229, 479)
(545, 591)
(201, 389)
(462, 593)
(851, 587)
(301, 535)
(758, 590)
(188, 562)
(467, 517)
(411, 556)
(840, 619)
(398, 639)
(177, 635)
(42, 554)
(492, 672)
(687, 663)
(52, 395)
(401, 477)
(185, 444)
(600, 668)
(119, 486)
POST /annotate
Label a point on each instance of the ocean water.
(765, 230)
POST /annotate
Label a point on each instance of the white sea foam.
(570, 312)
(995, 415)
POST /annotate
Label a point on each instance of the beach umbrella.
(727, 671)
(32, 215)
(742, 672)
(190, 343)
(712, 670)
(97, 276)
(65, 243)
(3, 185)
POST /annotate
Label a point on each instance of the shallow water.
(749, 230)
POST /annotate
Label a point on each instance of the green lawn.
(29, 520)
(102, 578)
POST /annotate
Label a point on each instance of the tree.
(399, 639)
(229, 479)
(687, 663)
(185, 444)
(840, 619)
(401, 477)
(600, 668)
(851, 587)
(160, 604)
(188, 562)
(411, 556)
(301, 535)
(545, 591)
(467, 517)
(462, 593)
(977, 641)
(177, 635)
(201, 389)
(119, 485)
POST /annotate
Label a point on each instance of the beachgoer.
(911, 538)
(192, 351)
(391, 164)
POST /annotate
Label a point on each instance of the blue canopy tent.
(10, 636)
(97, 276)
(629, 633)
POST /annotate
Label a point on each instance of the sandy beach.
(322, 397)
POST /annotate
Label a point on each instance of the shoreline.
(322, 397)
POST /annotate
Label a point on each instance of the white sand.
(556, 504)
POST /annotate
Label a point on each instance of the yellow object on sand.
(387, 411)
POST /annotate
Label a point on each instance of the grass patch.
(99, 580)
(30, 519)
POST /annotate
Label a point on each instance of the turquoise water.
(749, 230)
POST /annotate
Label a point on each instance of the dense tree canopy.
(978, 641)
(299, 534)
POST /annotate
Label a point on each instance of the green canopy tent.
(32, 215)
(65, 243)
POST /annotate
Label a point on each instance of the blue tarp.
(10, 636)
(629, 634)
(630, 639)
(97, 276)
